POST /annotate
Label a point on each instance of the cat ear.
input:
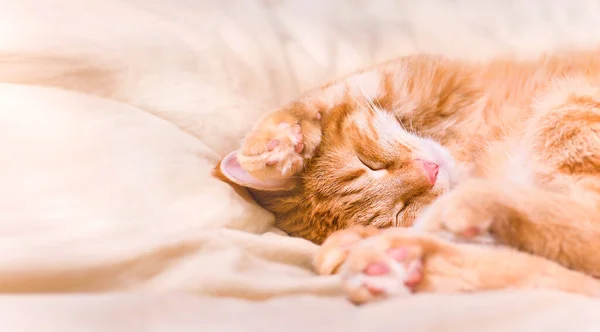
(231, 169)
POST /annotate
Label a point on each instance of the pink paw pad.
(291, 134)
(273, 144)
(471, 232)
(377, 269)
(412, 275)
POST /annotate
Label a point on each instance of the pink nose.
(431, 169)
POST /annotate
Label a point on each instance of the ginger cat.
(503, 155)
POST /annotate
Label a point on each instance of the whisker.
(369, 101)
(352, 96)
(404, 127)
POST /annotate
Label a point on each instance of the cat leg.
(559, 217)
(543, 223)
(400, 262)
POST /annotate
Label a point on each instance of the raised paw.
(283, 150)
(387, 265)
(274, 152)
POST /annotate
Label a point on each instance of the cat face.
(369, 170)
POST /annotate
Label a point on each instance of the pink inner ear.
(230, 167)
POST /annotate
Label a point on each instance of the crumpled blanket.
(114, 112)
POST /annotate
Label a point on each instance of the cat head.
(368, 170)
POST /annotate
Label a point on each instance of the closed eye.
(372, 166)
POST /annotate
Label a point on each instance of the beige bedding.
(113, 112)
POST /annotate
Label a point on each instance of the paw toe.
(272, 161)
(299, 147)
(471, 232)
(479, 232)
(273, 144)
(296, 129)
(414, 274)
(284, 126)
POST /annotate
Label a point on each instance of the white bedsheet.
(112, 114)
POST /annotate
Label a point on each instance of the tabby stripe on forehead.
(366, 84)
(385, 100)
(339, 115)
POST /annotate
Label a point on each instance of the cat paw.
(276, 154)
(466, 214)
(278, 146)
(335, 249)
(387, 265)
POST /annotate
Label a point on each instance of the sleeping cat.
(503, 155)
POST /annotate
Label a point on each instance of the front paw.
(274, 153)
(335, 249)
(469, 213)
(390, 264)
(278, 146)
